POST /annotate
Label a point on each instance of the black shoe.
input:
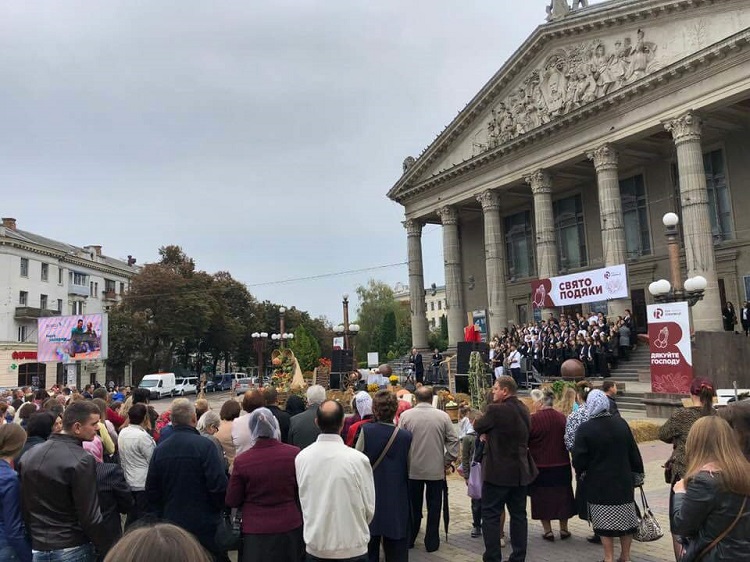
(596, 539)
(476, 532)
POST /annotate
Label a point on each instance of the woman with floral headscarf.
(607, 457)
(264, 485)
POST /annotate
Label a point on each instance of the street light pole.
(348, 331)
(345, 302)
(260, 339)
(282, 311)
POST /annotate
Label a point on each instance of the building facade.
(40, 277)
(606, 118)
(434, 302)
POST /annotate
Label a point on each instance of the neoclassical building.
(604, 119)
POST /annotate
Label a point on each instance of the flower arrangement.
(372, 387)
(324, 363)
(283, 370)
(393, 379)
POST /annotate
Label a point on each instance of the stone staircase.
(633, 374)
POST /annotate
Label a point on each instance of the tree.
(305, 348)
(376, 300)
(388, 334)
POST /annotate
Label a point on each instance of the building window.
(59, 305)
(635, 216)
(59, 275)
(22, 333)
(110, 286)
(432, 306)
(719, 201)
(122, 288)
(76, 307)
(24, 267)
(45, 272)
(78, 278)
(571, 236)
(519, 245)
(23, 298)
(91, 289)
(440, 305)
(43, 302)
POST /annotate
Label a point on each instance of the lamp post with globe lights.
(347, 330)
(260, 340)
(693, 289)
(282, 336)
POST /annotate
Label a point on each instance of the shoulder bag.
(385, 449)
(648, 527)
(726, 531)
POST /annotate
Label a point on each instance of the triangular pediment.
(571, 63)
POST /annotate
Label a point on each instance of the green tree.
(388, 333)
(306, 349)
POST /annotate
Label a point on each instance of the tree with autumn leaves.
(175, 316)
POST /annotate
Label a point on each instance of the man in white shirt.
(514, 363)
(136, 447)
(336, 491)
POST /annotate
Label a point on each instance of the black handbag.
(228, 536)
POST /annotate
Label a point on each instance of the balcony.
(31, 313)
(109, 295)
(79, 290)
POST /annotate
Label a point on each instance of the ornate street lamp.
(260, 340)
(282, 336)
(664, 291)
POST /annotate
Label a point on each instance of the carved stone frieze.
(413, 227)
(685, 128)
(448, 215)
(569, 78)
(489, 200)
(540, 182)
(604, 157)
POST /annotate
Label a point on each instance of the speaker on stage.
(464, 354)
(341, 361)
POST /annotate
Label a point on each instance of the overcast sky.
(261, 137)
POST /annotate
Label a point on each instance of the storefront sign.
(588, 286)
(24, 355)
(671, 354)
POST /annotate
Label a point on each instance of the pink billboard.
(671, 351)
(67, 339)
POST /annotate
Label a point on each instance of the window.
(59, 305)
(519, 246)
(432, 306)
(635, 216)
(22, 333)
(719, 201)
(440, 305)
(43, 302)
(23, 298)
(59, 275)
(45, 272)
(78, 278)
(571, 236)
(110, 286)
(24, 267)
(91, 289)
(122, 288)
(76, 307)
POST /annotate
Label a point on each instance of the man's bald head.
(424, 394)
(330, 417)
(385, 370)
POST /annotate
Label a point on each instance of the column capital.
(685, 128)
(540, 182)
(413, 227)
(490, 200)
(448, 215)
(604, 157)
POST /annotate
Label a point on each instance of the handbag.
(726, 531)
(474, 488)
(228, 536)
(648, 527)
(385, 449)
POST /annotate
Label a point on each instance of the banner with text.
(588, 286)
(671, 354)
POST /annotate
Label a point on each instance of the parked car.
(243, 385)
(187, 385)
(159, 384)
(210, 386)
(227, 381)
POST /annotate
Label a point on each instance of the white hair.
(183, 412)
(208, 419)
(536, 395)
(316, 394)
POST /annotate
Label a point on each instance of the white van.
(159, 385)
(187, 385)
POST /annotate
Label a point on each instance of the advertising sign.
(338, 342)
(479, 318)
(588, 286)
(671, 355)
(69, 339)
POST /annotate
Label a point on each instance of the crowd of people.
(307, 482)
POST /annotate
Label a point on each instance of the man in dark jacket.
(507, 470)
(610, 389)
(284, 419)
(303, 431)
(58, 487)
(186, 482)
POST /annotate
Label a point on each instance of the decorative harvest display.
(478, 386)
(287, 375)
(393, 379)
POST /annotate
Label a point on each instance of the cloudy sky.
(262, 137)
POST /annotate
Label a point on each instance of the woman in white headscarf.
(264, 485)
(607, 456)
(363, 403)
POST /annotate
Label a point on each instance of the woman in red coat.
(264, 484)
(552, 491)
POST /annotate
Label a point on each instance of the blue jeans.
(83, 553)
(8, 554)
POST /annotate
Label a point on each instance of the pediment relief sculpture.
(569, 78)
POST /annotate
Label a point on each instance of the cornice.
(404, 190)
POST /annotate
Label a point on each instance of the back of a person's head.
(316, 394)
(162, 542)
(78, 412)
(330, 417)
(207, 420)
(424, 394)
(100, 392)
(41, 395)
(141, 396)
(252, 400)
(384, 406)
(183, 412)
(102, 405)
(230, 410)
(54, 405)
(704, 389)
(737, 415)
(40, 424)
(137, 413)
(271, 395)
(12, 439)
(26, 410)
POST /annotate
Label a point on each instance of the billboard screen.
(68, 339)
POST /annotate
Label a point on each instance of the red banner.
(671, 354)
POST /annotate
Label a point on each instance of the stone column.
(494, 253)
(454, 295)
(416, 284)
(696, 222)
(544, 223)
(610, 210)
